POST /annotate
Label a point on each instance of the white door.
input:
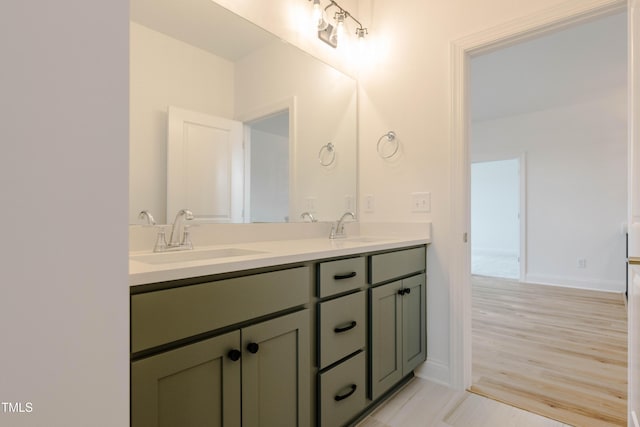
(204, 166)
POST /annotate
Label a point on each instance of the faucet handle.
(186, 238)
(161, 241)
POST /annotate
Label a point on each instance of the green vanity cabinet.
(195, 385)
(276, 363)
(253, 368)
(397, 322)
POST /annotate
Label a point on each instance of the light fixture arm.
(325, 34)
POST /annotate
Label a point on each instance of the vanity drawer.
(342, 391)
(342, 327)
(391, 265)
(164, 316)
(341, 276)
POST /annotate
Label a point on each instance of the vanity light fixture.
(331, 33)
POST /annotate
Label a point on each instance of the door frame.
(288, 104)
(562, 16)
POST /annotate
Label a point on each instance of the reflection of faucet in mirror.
(176, 243)
(147, 215)
(337, 230)
(308, 214)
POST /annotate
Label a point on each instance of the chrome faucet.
(175, 242)
(145, 214)
(337, 229)
(305, 214)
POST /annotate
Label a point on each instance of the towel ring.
(391, 137)
(329, 148)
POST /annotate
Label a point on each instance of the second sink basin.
(192, 255)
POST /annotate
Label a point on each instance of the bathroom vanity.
(303, 332)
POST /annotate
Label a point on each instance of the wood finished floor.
(422, 403)
(555, 351)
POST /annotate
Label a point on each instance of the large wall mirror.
(233, 123)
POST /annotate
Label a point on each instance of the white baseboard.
(435, 371)
(576, 282)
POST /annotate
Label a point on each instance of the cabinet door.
(414, 324)
(276, 372)
(386, 337)
(191, 386)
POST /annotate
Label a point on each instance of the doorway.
(495, 218)
(563, 16)
(267, 176)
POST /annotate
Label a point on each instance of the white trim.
(568, 13)
(435, 371)
(603, 285)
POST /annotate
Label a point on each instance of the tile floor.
(424, 403)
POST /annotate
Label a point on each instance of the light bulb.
(319, 16)
(338, 30)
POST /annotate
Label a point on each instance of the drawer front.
(391, 265)
(342, 327)
(341, 276)
(342, 391)
(164, 316)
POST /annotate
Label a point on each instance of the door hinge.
(465, 237)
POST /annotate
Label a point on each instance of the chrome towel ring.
(330, 149)
(390, 139)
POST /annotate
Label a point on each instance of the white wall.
(63, 179)
(405, 87)
(324, 111)
(164, 72)
(576, 188)
(495, 205)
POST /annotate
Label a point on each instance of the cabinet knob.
(253, 347)
(407, 291)
(234, 355)
(400, 291)
(352, 390)
(404, 291)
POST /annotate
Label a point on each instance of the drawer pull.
(340, 397)
(344, 276)
(339, 329)
(234, 355)
(253, 347)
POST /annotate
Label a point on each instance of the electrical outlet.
(369, 203)
(349, 204)
(420, 202)
(582, 263)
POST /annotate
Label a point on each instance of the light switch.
(420, 202)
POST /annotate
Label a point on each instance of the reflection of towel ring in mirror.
(391, 138)
(329, 148)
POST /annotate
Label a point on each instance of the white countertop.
(270, 253)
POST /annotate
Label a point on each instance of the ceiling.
(559, 68)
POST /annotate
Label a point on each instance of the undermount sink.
(192, 255)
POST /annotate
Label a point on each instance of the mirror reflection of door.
(267, 179)
(204, 166)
